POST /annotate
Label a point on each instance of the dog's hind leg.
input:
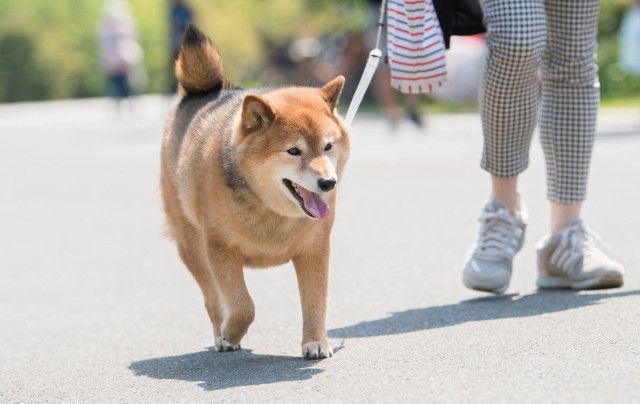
(191, 249)
(312, 270)
(239, 311)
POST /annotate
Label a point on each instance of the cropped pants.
(541, 61)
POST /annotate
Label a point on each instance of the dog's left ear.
(332, 90)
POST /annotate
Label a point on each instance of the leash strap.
(369, 70)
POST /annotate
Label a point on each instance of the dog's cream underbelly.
(264, 254)
(266, 262)
(268, 249)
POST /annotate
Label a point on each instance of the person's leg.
(562, 214)
(506, 189)
(412, 102)
(569, 256)
(570, 98)
(516, 35)
(385, 95)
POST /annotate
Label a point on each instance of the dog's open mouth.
(311, 203)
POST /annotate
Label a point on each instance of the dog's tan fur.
(226, 207)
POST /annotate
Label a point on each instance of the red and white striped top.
(415, 46)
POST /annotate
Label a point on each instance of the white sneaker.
(501, 236)
(571, 259)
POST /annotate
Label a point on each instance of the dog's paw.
(317, 350)
(222, 345)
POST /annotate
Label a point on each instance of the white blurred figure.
(630, 40)
(121, 55)
(466, 59)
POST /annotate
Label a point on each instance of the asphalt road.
(95, 305)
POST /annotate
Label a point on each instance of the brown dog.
(248, 179)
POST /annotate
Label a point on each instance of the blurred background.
(95, 305)
(61, 49)
(52, 49)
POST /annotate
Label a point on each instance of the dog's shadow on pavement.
(217, 371)
(479, 309)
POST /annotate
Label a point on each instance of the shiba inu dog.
(248, 179)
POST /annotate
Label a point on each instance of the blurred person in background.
(180, 16)
(465, 64)
(386, 95)
(630, 39)
(121, 55)
(558, 40)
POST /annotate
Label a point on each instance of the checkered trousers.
(541, 50)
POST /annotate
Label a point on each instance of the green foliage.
(60, 59)
(62, 35)
(49, 49)
(22, 77)
(615, 83)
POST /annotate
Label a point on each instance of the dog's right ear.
(332, 90)
(257, 113)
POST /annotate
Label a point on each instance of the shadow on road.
(620, 132)
(479, 309)
(217, 371)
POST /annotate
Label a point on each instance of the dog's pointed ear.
(332, 90)
(257, 113)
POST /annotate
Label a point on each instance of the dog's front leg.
(312, 270)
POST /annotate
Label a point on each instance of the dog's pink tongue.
(314, 203)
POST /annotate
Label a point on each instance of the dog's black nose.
(326, 184)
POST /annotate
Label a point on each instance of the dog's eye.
(328, 146)
(294, 151)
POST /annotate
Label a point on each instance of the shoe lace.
(497, 231)
(576, 243)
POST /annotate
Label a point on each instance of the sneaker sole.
(612, 280)
(497, 291)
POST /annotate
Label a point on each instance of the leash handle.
(367, 75)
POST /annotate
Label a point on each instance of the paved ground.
(95, 305)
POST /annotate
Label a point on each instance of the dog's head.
(292, 147)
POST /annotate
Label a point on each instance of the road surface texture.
(95, 305)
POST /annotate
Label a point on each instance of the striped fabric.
(415, 46)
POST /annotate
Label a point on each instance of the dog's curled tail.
(199, 66)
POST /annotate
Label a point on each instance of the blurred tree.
(22, 77)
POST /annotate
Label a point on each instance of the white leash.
(369, 70)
